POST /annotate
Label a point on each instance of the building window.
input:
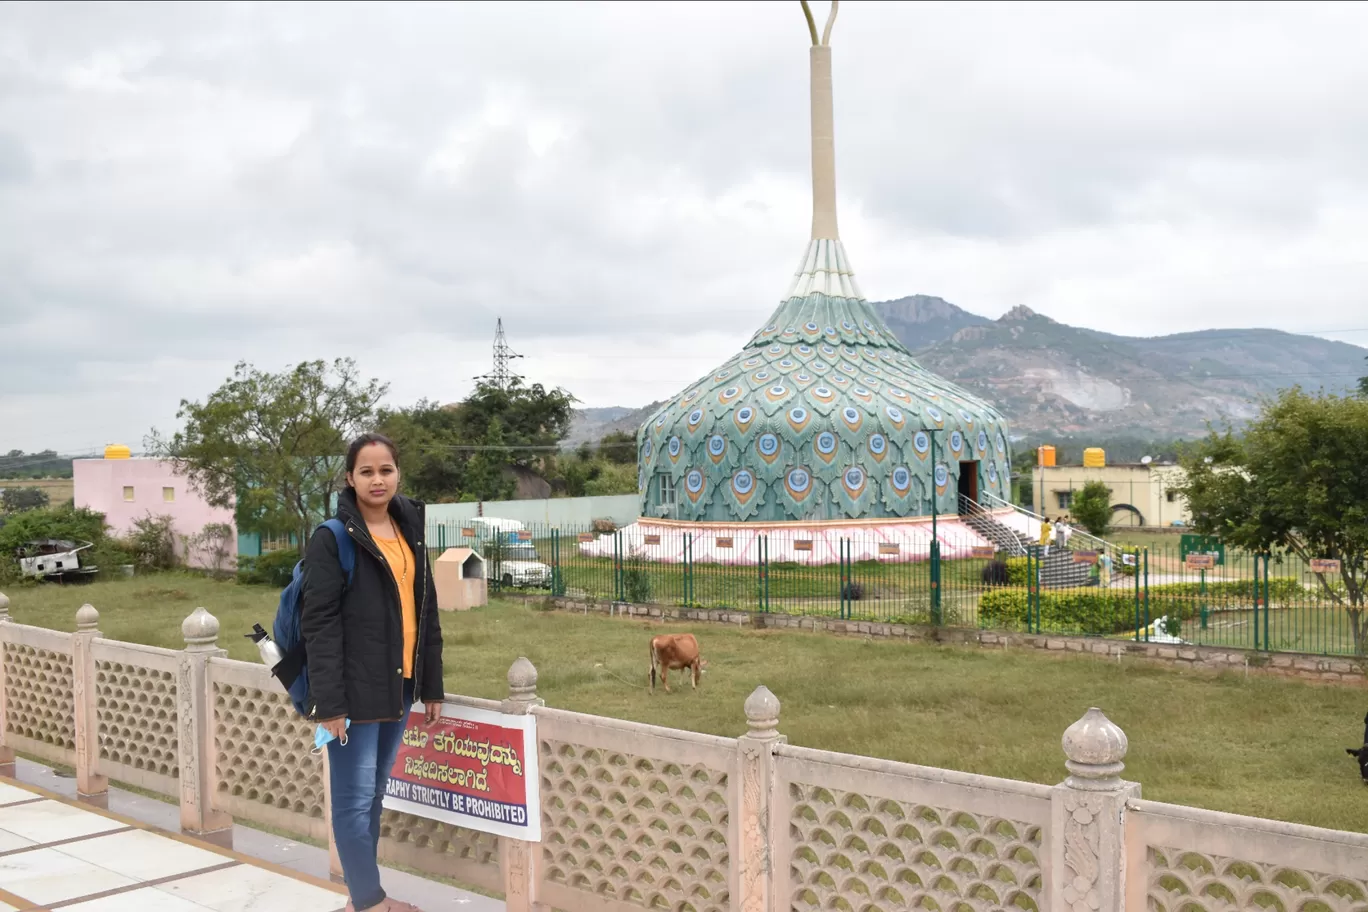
(1065, 499)
(169, 495)
(128, 493)
(1171, 496)
(667, 491)
(275, 543)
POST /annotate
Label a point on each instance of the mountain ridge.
(1049, 377)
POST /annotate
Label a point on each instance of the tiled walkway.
(55, 854)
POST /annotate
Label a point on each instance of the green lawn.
(1260, 746)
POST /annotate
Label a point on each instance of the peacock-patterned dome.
(824, 415)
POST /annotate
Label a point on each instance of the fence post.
(1087, 825)
(618, 593)
(1258, 594)
(91, 787)
(762, 565)
(521, 860)
(196, 709)
(756, 747)
(935, 581)
(688, 570)
(6, 753)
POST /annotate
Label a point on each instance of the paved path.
(56, 854)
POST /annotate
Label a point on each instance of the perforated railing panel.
(641, 830)
(39, 705)
(1181, 879)
(263, 765)
(136, 707)
(856, 851)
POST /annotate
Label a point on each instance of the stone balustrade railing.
(640, 817)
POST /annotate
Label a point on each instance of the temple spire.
(823, 130)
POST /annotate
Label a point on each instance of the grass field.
(1260, 746)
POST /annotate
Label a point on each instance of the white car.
(512, 561)
(518, 566)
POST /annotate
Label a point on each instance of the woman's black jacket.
(354, 635)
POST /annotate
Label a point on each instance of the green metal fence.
(1268, 602)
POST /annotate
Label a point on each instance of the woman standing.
(374, 648)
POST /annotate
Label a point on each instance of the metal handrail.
(1100, 543)
(971, 507)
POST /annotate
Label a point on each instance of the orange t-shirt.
(399, 556)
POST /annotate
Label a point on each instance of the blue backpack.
(293, 669)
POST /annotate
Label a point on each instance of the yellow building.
(1141, 495)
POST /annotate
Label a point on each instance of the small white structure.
(459, 575)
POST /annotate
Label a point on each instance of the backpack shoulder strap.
(346, 548)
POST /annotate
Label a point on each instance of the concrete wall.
(104, 485)
(1147, 488)
(566, 512)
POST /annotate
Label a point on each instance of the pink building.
(125, 489)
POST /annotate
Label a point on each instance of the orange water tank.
(1045, 455)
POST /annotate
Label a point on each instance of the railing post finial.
(1094, 748)
(201, 630)
(87, 619)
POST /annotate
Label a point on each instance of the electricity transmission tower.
(501, 377)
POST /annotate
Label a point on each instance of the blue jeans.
(358, 774)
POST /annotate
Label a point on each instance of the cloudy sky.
(626, 184)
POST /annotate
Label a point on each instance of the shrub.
(59, 522)
(636, 581)
(1092, 507)
(153, 543)
(19, 500)
(995, 573)
(1108, 611)
(1017, 571)
(274, 568)
(216, 545)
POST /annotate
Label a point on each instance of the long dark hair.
(366, 440)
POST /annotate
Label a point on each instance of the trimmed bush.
(1108, 611)
(274, 568)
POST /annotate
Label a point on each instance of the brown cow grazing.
(678, 651)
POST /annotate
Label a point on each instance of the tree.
(533, 420)
(432, 466)
(1363, 385)
(619, 448)
(463, 452)
(17, 500)
(486, 478)
(1092, 507)
(1297, 481)
(273, 444)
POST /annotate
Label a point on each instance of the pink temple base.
(895, 541)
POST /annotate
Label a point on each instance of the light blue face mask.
(322, 736)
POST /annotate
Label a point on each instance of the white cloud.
(186, 185)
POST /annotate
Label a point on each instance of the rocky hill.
(1051, 378)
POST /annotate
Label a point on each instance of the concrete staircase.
(1010, 541)
(1057, 569)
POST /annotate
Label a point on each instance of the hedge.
(1106, 611)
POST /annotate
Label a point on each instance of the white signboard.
(473, 768)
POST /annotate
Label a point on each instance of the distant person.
(1046, 536)
(1104, 561)
(1062, 533)
(374, 648)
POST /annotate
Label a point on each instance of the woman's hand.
(335, 727)
(434, 712)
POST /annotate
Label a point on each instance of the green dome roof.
(823, 415)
